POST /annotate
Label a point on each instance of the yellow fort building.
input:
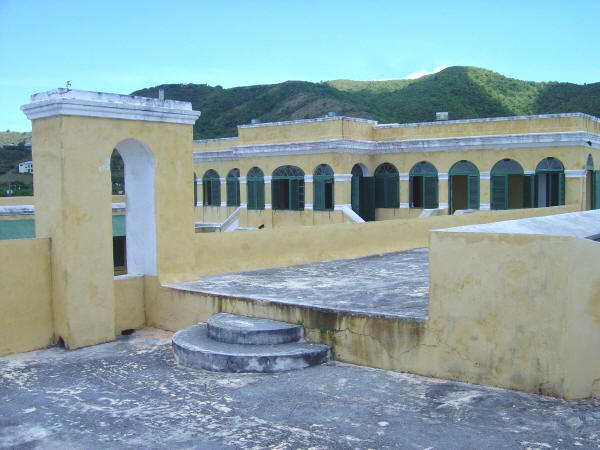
(505, 211)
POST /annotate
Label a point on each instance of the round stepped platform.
(234, 329)
(194, 348)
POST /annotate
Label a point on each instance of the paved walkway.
(131, 394)
(390, 285)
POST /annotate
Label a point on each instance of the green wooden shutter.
(294, 194)
(561, 188)
(379, 192)
(392, 191)
(205, 189)
(473, 189)
(215, 191)
(529, 191)
(259, 192)
(596, 189)
(354, 190)
(195, 189)
(499, 195)
(251, 194)
(430, 192)
(230, 192)
(300, 191)
(275, 189)
(318, 194)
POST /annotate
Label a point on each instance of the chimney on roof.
(254, 121)
(331, 114)
(161, 93)
(441, 115)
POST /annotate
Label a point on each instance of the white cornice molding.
(220, 155)
(113, 106)
(496, 142)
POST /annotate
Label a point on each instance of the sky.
(122, 46)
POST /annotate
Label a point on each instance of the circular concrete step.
(234, 329)
(193, 347)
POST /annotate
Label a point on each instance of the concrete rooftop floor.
(392, 285)
(131, 393)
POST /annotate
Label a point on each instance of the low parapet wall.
(25, 295)
(261, 249)
(519, 306)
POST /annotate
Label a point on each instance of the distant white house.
(26, 167)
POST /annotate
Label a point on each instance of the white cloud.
(422, 73)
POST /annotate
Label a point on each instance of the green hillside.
(465, 92)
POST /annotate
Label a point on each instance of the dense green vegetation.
(465, 92)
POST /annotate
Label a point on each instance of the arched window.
(211, 188)
(509, 187)
(423, 186)
(287, 188)
(233, 187)
(387, 186)
(549, 183)
(463, 186)
(323, 188)
(255, 184)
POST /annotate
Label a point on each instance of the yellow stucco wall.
(25, 295)
(311, 130)
(517, 311)
(275, 247)
(72, 186)
(485, 127)
(130, 309)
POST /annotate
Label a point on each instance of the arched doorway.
(509, 187)
(549, 183)
(255, 186)
(323, 199)
(287, 188)
(423, 186)
(362, 192)
(211, 188)
(463, 186)
(140, 225)
(387, 186)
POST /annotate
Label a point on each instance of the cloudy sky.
(121, 46)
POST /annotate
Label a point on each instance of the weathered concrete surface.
(394, 285)
(130, 393)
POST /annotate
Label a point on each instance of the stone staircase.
(232, 343)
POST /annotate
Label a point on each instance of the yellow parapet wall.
(25, 295)
(516, 311)
(247, 250)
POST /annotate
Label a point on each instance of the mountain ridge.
(465, 92)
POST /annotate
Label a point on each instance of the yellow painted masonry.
(73, 183)
(365, 130)
(318, 129)
(529, 321)
(25, 295)
(130, 309)
(486, 127)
